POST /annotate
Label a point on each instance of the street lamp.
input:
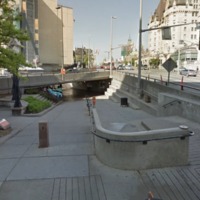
(140, 50)
(89, 52)
(111, 39)
(62, 48)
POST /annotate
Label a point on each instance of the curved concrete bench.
(141, 150)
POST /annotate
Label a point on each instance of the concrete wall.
(188, 108)
(42, 80)
(141, 150)
(177, 105)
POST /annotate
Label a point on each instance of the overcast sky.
(93, 23)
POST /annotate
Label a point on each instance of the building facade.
(171, 13)
(50, 29)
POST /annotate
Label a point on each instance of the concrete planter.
(18, 111)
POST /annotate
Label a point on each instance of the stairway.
(116, 91)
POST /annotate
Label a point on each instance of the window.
(185, 28)
(191, 36)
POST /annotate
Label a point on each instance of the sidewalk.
(68, 168)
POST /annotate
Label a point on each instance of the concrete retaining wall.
(189, 106)
(141, 150)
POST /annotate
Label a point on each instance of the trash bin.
(124, 101)
(147, 98)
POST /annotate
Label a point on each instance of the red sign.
(4, 124)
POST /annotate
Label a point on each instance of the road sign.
(169, 64)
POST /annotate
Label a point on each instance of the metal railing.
(179, 86)
(171, 103)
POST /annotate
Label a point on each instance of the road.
(188, 82)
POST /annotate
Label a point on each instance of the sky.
(92, 27)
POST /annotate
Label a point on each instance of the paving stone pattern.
(69, 170)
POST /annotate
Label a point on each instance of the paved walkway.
(68, 168)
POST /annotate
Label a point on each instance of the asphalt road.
(190, 83)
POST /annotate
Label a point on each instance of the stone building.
(170, 13)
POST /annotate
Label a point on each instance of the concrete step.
(42, 98)
(151, 107)
(111, 97)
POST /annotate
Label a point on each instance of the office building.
(50, 28)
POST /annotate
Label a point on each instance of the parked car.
(179, 69)
(129, 67)
(144, 67)
(72, 70)
(120, 67)
(188, 72)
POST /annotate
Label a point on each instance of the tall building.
(169, 13)
(50, 28)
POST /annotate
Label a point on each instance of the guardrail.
(52, 79)
(180, 86)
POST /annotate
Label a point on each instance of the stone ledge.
(5, 132)
(138, 150)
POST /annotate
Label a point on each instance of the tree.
(11, 37)
(154, 62)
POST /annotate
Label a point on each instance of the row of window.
(194, 14)
(186, 28)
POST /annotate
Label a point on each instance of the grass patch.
(35, 105)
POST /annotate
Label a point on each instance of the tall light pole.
(111, 40)
(140, 50)
(62, 46)
(89, 52)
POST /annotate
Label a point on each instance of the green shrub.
(35, 105)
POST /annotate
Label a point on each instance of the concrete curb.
(43, 112)
(3, 139)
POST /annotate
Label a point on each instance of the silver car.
(188, 72)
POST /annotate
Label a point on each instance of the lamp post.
(89, 52)
(111, 40)
(62, 47)
(140, 50)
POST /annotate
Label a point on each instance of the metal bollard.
(93, 101)
(181, 83)
(43, 135)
